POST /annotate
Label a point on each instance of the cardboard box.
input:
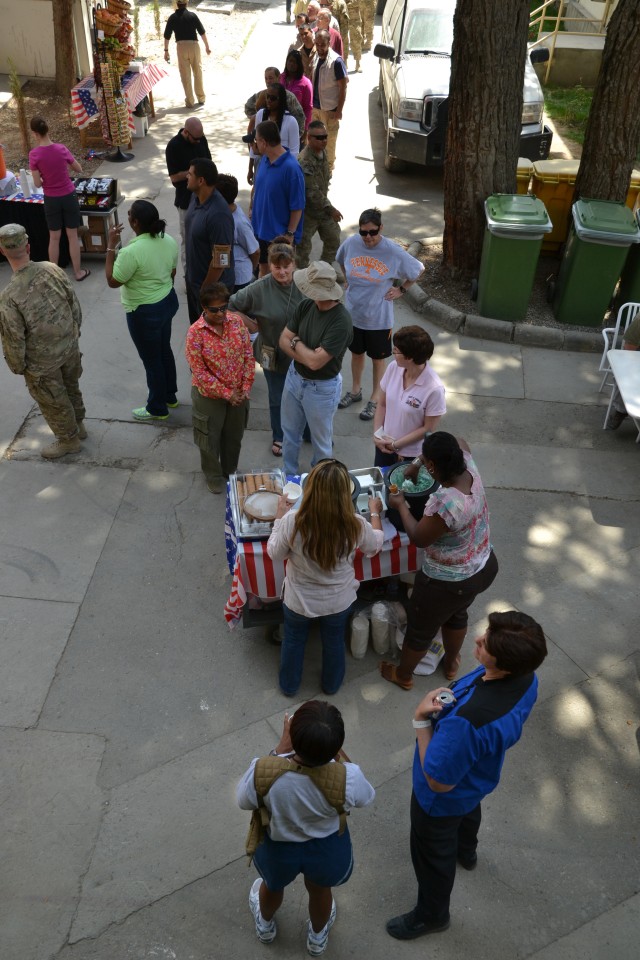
(97, 234)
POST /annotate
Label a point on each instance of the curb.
(486, 328)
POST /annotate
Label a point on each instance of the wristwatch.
(294, 343)
(289, 233)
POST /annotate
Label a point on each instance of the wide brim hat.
(318, 281)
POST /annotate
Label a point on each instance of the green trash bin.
(516, 225)
(629, 290)
(601, 233)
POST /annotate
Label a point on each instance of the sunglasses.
(271, 97)
(319, 136)
(369, 233)
(216, 310)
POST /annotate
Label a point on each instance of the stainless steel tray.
(363, 474)
(242, 485)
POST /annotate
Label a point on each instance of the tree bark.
(485, 120)
(613, 128)
(63, 36)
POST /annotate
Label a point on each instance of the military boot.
(60, 448)
(82, 430)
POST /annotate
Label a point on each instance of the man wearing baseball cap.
(40, 321)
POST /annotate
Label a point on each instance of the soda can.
(446, 697)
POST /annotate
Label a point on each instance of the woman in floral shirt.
(219, 354)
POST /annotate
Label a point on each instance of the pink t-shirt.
(303, 92)
(406, 409)
(52, 163)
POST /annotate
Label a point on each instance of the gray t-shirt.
(370, 274)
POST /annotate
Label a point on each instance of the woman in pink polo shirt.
(49, 163)
(412, 398)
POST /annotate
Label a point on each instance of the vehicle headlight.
(409, 110)
(532, 112)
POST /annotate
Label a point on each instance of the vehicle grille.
(432, 105)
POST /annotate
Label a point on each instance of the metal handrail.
(539, 16)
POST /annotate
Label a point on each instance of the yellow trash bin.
(553, 183)
(524, 173)
(633, 198)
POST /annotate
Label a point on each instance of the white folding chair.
(613, 337)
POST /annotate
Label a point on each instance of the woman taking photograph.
(49, 164)
(319, 541)
(266, 306)
(144, 270)
(293, 79)
(218, 351)
(411, 398)
(459, 562)
(306, 833)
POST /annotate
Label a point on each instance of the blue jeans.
(296, 632)
(317, 402)
(275, 386)
(150, 329)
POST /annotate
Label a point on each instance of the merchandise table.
(625, 366)
(256, 575)
(30, 215)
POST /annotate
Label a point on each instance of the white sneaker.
(317, 942)
(265, 929)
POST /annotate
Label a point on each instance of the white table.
(625, 366)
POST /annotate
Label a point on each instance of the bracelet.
(394, 446)
(421, 724)
(111, 249)
(375, 513)
(289, 233)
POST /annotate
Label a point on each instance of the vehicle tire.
(380, 7)
(392, 164)
(474, 289)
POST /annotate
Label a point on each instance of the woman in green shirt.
(144, 270)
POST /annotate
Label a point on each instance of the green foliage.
(136, 28)
(548, 26)
(156, 17)
(569, 106)
(18, 96)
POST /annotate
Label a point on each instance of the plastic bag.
(359, 637)
(385, 616)
(431, 659)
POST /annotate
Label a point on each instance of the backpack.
(330, 779)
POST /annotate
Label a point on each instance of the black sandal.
(276, 448)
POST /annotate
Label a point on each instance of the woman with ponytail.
(459, 562)
(145, 270)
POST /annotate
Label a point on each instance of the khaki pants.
(368, 13)
(58, 396)
(328, 231)
(188, 61)
(217, 430)
(332, 126)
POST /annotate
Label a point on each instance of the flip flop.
(276, 448)
(388, 671)
(86, 274)
(452, 674)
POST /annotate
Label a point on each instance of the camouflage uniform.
(40, 321)
(340, 12)
(317, 209)
(354, 8)
(368, 13)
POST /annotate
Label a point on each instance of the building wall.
(591, 9)
(31, 48)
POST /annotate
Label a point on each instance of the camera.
(249, 137)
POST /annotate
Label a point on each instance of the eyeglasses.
(319, 136)
(216, 310)
(369, 233)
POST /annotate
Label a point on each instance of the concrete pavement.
(128, 710)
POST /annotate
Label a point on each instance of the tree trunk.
(485, 114)
(613, 128)
(63, 37)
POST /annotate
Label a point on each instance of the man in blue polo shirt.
(278, 192)
(460, 750)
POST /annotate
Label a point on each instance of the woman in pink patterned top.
(459, 562)
(220, 357)
(49, 163)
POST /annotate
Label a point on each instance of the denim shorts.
(327, 861)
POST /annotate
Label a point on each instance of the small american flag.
(83, 102)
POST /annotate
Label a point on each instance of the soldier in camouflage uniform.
(319, 215)
(354, 8)
(40, 321)
(368, 13)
